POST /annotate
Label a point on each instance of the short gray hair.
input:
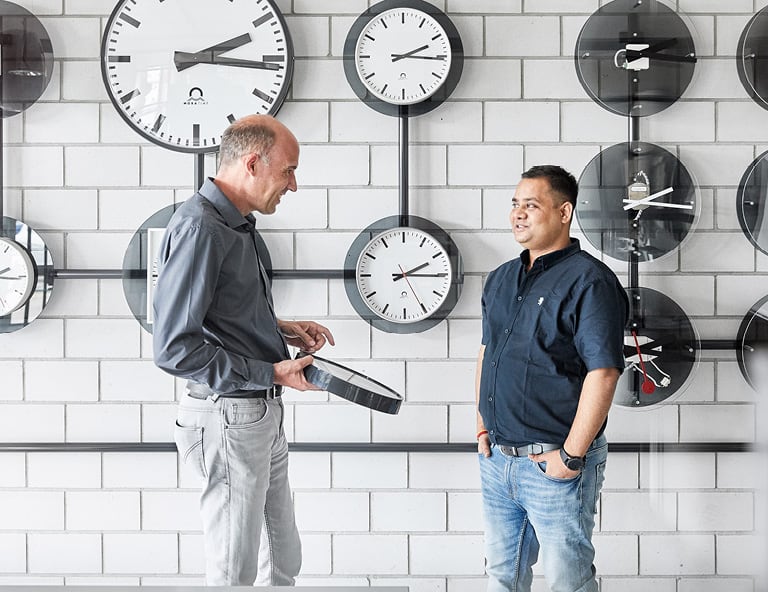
(243, 137)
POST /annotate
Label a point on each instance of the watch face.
(752, 58)
(661, 350)
(636, 202)
(403, 275)
(18, 276)
(403, 56)
(752, 348)
(752, 203)
(180, 71)
(635, 57)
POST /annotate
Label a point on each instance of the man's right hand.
(484, 445)
(291, 373)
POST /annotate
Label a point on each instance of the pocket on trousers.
(189, 443)
(599, 478)
(246, 415)
(542, 469)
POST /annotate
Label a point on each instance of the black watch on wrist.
(574, 463)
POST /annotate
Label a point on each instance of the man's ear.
(566, 212)
(251, 162)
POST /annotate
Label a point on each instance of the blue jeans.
(526, 510)
(237, 448)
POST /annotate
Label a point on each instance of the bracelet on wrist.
(480, 433)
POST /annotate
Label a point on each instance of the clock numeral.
(263, 96)
(130, 20)
(131, 95)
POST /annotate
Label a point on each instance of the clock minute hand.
(186, 60)
(408, 54)
(2, 271)
(650, 198)
(205, 55)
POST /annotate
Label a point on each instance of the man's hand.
(484, 445)
(555, 466)
(291, 373)
(308, 336)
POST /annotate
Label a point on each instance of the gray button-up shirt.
(214, 322)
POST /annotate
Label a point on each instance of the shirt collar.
(550, 259)
(232, 216)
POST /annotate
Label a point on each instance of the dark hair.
(561, 181)
(245, 136)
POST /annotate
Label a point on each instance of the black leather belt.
(203, 391)
(535, 448)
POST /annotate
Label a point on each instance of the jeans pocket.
(246, 415)
(189, 443)
(542, 470)
(599, 478)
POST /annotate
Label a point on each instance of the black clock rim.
(687, 228)
(428, 104)
(741, 68)
(740, 197)
(328, 381)
(289, 66)
(386, 224)
(741, 336)
(588, 88)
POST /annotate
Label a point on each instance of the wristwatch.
(574, 463)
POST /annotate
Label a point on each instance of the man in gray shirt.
(215, 325)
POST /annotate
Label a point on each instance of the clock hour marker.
(369, 255)
(424, 90)
(372, 38)
(403, 237)
(119, 58)
(371, 75)
(383, 242)
(261, 20)
(195, 134)
(403, 94)
(421, 24)
(128, 96)
(231, 118)
(436, 75)
(273, 58)
(424, 308)
(437, 293)
(158, 122)
(384, 310)
(384, 88)
(421, 244)
(371, 294)
(129, 19)
(402, 18)
(263, 96)
(405, 316)
(435, 37)
(436, 255)
(363, 57)
(365, 275)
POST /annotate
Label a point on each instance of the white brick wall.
(671, 522)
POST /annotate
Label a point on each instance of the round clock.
(637, 202)
(26, 275)
(751, 203)
(180, 71)
(403, 279)
(751, 54)
(27, 59)
(752, 350)
(661, 349)
(635, 57)
(403, 53)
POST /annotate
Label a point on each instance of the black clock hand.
(186, 60)
(408, 54)
(397, 276)
(2, 271)
(633, 54)
(209, 53)
(418, 57)
(409, 272)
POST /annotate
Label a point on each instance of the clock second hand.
(412, 290)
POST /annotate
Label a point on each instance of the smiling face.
(273, 174)
(540, 218)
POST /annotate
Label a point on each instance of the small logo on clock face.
(195, 97)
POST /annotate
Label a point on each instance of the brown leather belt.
(203, 391)
(535, 448)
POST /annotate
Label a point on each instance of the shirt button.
(493, 364)
(519, 298)
(491, 432)
(506, 330)
(490, 398)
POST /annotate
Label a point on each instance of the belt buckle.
(535, 448)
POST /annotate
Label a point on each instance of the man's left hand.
(555, 466)
(308, 336)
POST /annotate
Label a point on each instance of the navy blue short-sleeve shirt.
(543, 330)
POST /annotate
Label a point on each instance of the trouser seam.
(520, 552)
(268, 531)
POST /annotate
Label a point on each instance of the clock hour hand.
(419, 57)
(205, 55)
(408, 54)
(185, 60)
(398, 276)
(2, 271)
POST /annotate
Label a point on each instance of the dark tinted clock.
(180, 71)
(637, 202)
(752, 58)
(635, 57)
(403, 53)
(752, 203)
(752, 346)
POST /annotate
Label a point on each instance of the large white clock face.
(403, 56)
(180, 71)
(17, 276)
(404, 275)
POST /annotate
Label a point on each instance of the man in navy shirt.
(551, 355)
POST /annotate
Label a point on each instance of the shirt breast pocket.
(551, 331)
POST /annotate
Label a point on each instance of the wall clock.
(752, 58)
(180, 71)
(751, 203)
(26, 275)
(752, 346)
(403, 53)
(635, 57)
(403, 279)
(637, 202)
(661, 349)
